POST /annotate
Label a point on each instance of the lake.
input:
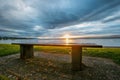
(104, 42)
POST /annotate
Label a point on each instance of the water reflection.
(105, 42)
(68, 41)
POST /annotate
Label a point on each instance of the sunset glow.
(67, 38)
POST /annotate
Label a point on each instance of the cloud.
(57, 17)
(38, 28)
(114, 17)
(88, 28)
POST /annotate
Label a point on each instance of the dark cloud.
(112, 19)
(48, 17)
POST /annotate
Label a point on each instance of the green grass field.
(7, 49)
(111, 53)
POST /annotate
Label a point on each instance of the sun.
(66, 36)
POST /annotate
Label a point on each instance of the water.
(104, 42)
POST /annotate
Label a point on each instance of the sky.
(54, 18)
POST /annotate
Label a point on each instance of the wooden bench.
(26, 51)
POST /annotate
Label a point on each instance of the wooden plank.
(61, 44)
(76, 58)
(26, 51)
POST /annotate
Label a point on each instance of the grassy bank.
(111, 53)
(7, 49)
(62, 50)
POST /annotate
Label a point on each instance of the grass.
(55, 49)
(111, 53)
(7, 49)
(2, 77)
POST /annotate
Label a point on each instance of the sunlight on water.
(67, 39)
(104, 42)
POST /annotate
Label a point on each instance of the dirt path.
(47, 66)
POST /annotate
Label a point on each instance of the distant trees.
(5, 38)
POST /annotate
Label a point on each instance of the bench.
(26, 51)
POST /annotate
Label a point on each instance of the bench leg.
(26, 51)
(76, 58)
